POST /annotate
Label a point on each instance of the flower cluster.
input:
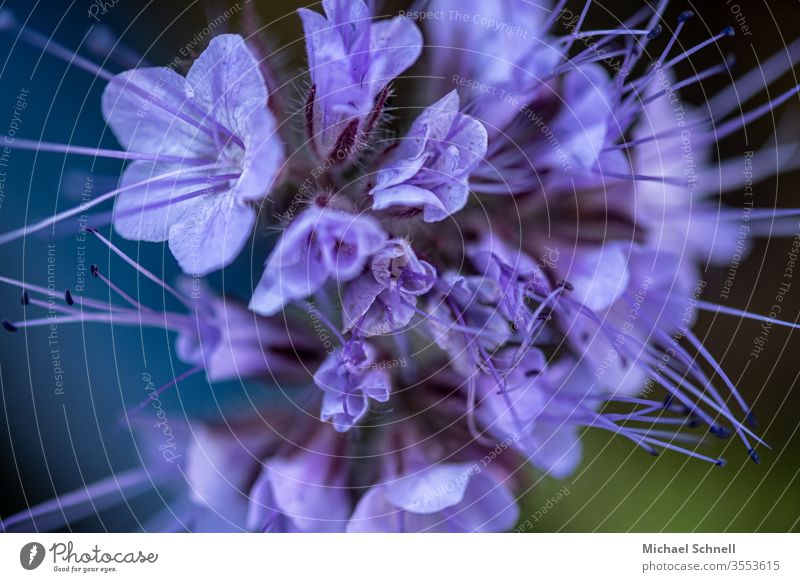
(504, 261)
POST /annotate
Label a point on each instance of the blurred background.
(62, 395)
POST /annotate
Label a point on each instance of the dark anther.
(94, 270)
(8, 326)
(68, 297)
(655, 32)
(755, 456)
(685, 15)
(751, 419)
(25, 299)
(720, 431)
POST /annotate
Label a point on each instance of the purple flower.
(304, 492)
(554, 137)
(321, 244)
(430, 169)
(536, 410)
(383, 299)
(449, 497)
(215, 334)
(498, 54)
(661, 206)
(231, 342)
(465, 320)
(638, 295)
(348, 379)
(219, 470)
(213, 152)
(562, 300)
(352, 60)
(516, 274)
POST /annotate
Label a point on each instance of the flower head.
(522, 265)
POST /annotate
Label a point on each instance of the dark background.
(51, 443)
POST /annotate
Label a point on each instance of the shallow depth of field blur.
(54, 444)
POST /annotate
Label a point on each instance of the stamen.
(49, 147)
(143, 404)
(106, 45)
(327, 322)
(309, 114)
(51, 47)
(747, 86)
(701, 76)
(698, 345)
(727, 31)
(554, 15)
(83, 502)
(133, 302)
(26, 230)
(744, 314)
(737, 123)
(26, 287)
(160, 282)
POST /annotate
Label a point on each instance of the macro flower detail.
(303, 493)
(349, 379)
(445, 498)
(213, 137)
(321, 244)
(469, 254)
(383, 299)
(352, 59)
(203, 150)
(430, 168)
(215, 334)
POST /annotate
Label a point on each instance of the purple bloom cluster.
(497, 265)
